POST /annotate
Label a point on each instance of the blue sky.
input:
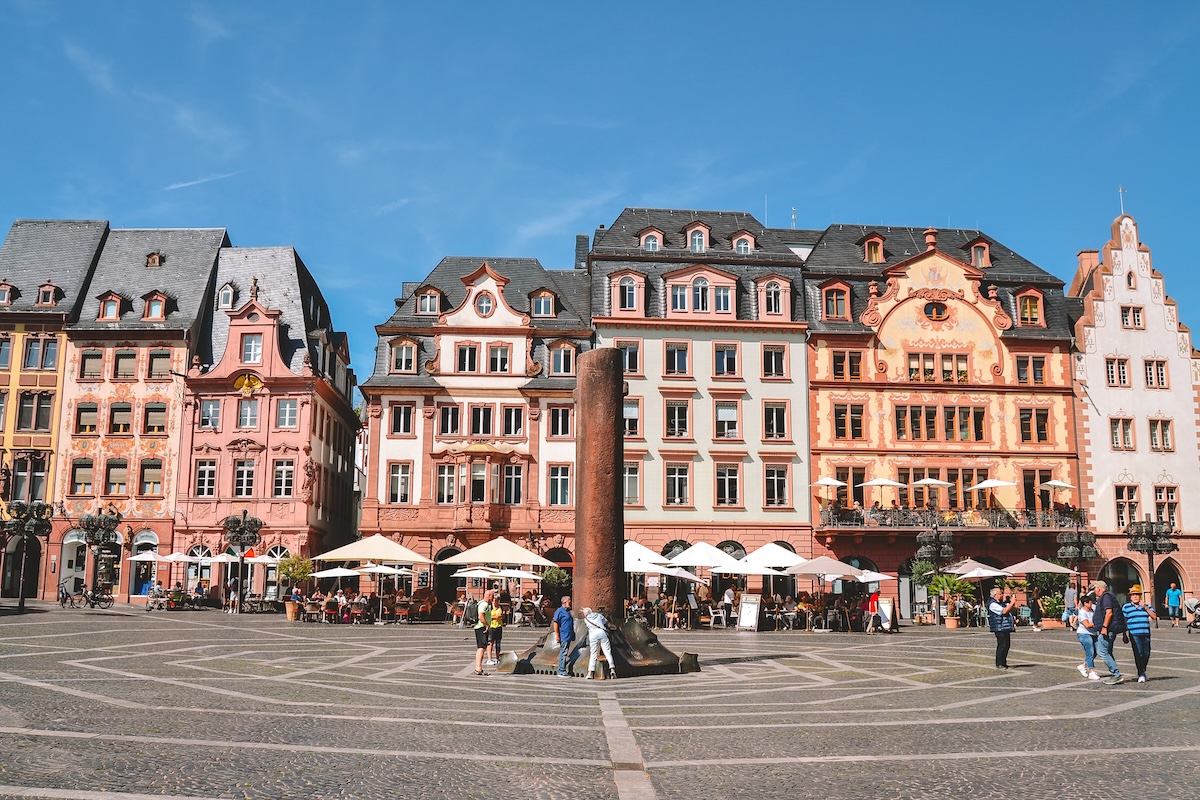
(378, 138)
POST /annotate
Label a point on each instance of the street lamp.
(242, 532)
(1150, 538)
(1075, 546)
(25, 520)
(936, 546)
(99, 529)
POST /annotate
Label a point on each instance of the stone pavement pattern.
(124, 705)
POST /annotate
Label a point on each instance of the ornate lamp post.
(1075, 546)
(242, 533)
(25, 520)
(936, 546)
(1150, 538)
(99, 529)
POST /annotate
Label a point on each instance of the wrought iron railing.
(968, 518)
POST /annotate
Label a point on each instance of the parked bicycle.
(86, 598)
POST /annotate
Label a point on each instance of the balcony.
(1017, 519)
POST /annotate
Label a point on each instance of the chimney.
(581, 250)
(930, 239)
(1088, 260)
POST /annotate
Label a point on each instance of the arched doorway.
(854, 587)
(674, 587)
(1120, 574)
(11, 584)
(736, 551)
(445, 585)
(199, 571)
(783, 585)
(144, 541)
(1166, 574)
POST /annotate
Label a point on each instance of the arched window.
(774, 298)
(700, 295)
(697, 240)
(201, 571)
(936, 311)
(1130, 280)
(651, 243)
(628, 294)
(742, 246)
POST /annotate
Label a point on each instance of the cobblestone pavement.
(125, 705)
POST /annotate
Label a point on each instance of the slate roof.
(62, 252)
(623, 235)
(189, 259)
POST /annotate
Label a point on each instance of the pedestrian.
(1001, 623)
(597, 627)
(1104, 620)
(1070, 605)
(1083, 619)
(727, 604)
(1035, 609)
(1137, 627)
(234, 595)
(482, 620)
(495, 631)
(1174, 605)
(564, 634)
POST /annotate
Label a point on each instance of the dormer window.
(562, 360)
(156, 306)
(650, 243)
(742, 246)
(773, 298)
(110, 307)
(696, 241)
(979, 256)
(225, 297)
(6, 296)
(428, 303)
(154, 260)
(485, 304)
(650, 239)
(47, 294)
(628, 294)
(1029, 309)
(836, 305)
(542, 305)
(700, 295)
(874, 254)
(404, 357)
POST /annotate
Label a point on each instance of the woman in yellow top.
(495, 632)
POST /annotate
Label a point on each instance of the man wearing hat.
(1137, 625)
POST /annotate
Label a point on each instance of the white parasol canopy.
(979, 573)
(822, 567)
(703, 554)
(882, 482)
(827, 481)
(1035, 565)
(642, 567)
(223, 558)
(636, 551)
(375, 548)
(499, 551)
(522, 574)
(183, 558)
(871, 576)
(772, 555)
(932, 482)
(335, 572)
(149, 555)
(383, 569)
(990, 483)
(475, 572)
(264, 560)
(743, 568)
(1055, 484)
(969, 564)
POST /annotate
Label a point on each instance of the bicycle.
(65, 598)
(92, 598)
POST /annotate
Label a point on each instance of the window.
(446, 484)
(468, 358)
(775, 421)
(427, 303)
(498, 359)
(154, 308)
(1034, 425)
(448, 419)
(742, 246)
(700, 295)
(562, 361)
(847, 365)
(3, 406)
(727, 485)
(560, 485)
(154, 418)
(936, 311)
(160, 365)
(677, 358)
(848, 421)
(630, 357)
(1127, 503)
(773, 298)
(1160, 436)
(110, 309)
(125, 365)
(1121, 430)
(484, 304)
(33, 411)
(86, 418)
(399, 483)
(5, 295)
(725, 361)
(1029, 308)
(775, 489)
(81, 476)
(917, 423)
(402, 419)
(1166, 505)
(874, 251)
(1031, 370)
(560, 421)
(1116, 371)
(152, 477)
(697, 241)
(91, 365)
(225, 298)
(210, 414)
(835, 304)
(404, 357)
(651, 243)
(248, 413)
(631, 482)
(722, 299)
(727, 420)
(120, 418)
(29, 478)
(627, 294)
(481, 420)
(243, 478)
(206, 478)
(285, 476)
(116, 476)
(1131, 318)
(979, 256)
(679, 298)
(774, 362)
(677, 419)
(677, 484)
(287, 413)
(543, 305)
(1156, 374)
(41, 353)
(5, 353)
(512, 493)
(963, 423)
(514, 421)
(631, 415)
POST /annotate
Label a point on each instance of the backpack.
(1117, 623)
(471, 612)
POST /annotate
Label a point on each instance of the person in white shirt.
(727, 603)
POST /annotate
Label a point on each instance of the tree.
(296, 569)
(556, 582)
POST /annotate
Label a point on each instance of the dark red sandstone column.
(599, 498)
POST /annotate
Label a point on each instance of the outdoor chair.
(312, 612)
(715, 613)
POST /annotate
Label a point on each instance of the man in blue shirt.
(1137, 625)
(564, 631)
(1104, 642)
(1175, 605)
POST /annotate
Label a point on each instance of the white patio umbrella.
(882, 482)
(827, 481)
(223, 558)
(990, 483)
(966, 565)
(871, 576)
(1035, 565)
(644, 568)
(821, 567)
(522, 574)
(932, 482)
(703, 554)
(148, 555)
(335, 572)
(743, 568)
(1055, 484)
(263, 560)
(382, 569)
(772, 555)
(499, 551)
(636, 551)
(980, 574)
(375, 548)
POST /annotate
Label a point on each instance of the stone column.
(599, 497)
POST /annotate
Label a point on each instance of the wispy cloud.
(562, 220)
(94, 70)
(270, 93)
(395, 205)
(209, 179)
(208, 28)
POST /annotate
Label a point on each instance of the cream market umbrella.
(149, 555)
(871, 576)
(499, 551)
(821, 567)
(1055, 484)
(703, 554)
(990, 483)
(475, 572)
(882, 482)
(635, 551)
(932, 482)
(827, 481)
(969, 564)
(743, 568)
(772, 555)
(376, 548)
(335, 572)
(520, 574)
(1035, 565)
(382, 569)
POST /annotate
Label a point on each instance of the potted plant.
(294, 570)
(944, 586)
